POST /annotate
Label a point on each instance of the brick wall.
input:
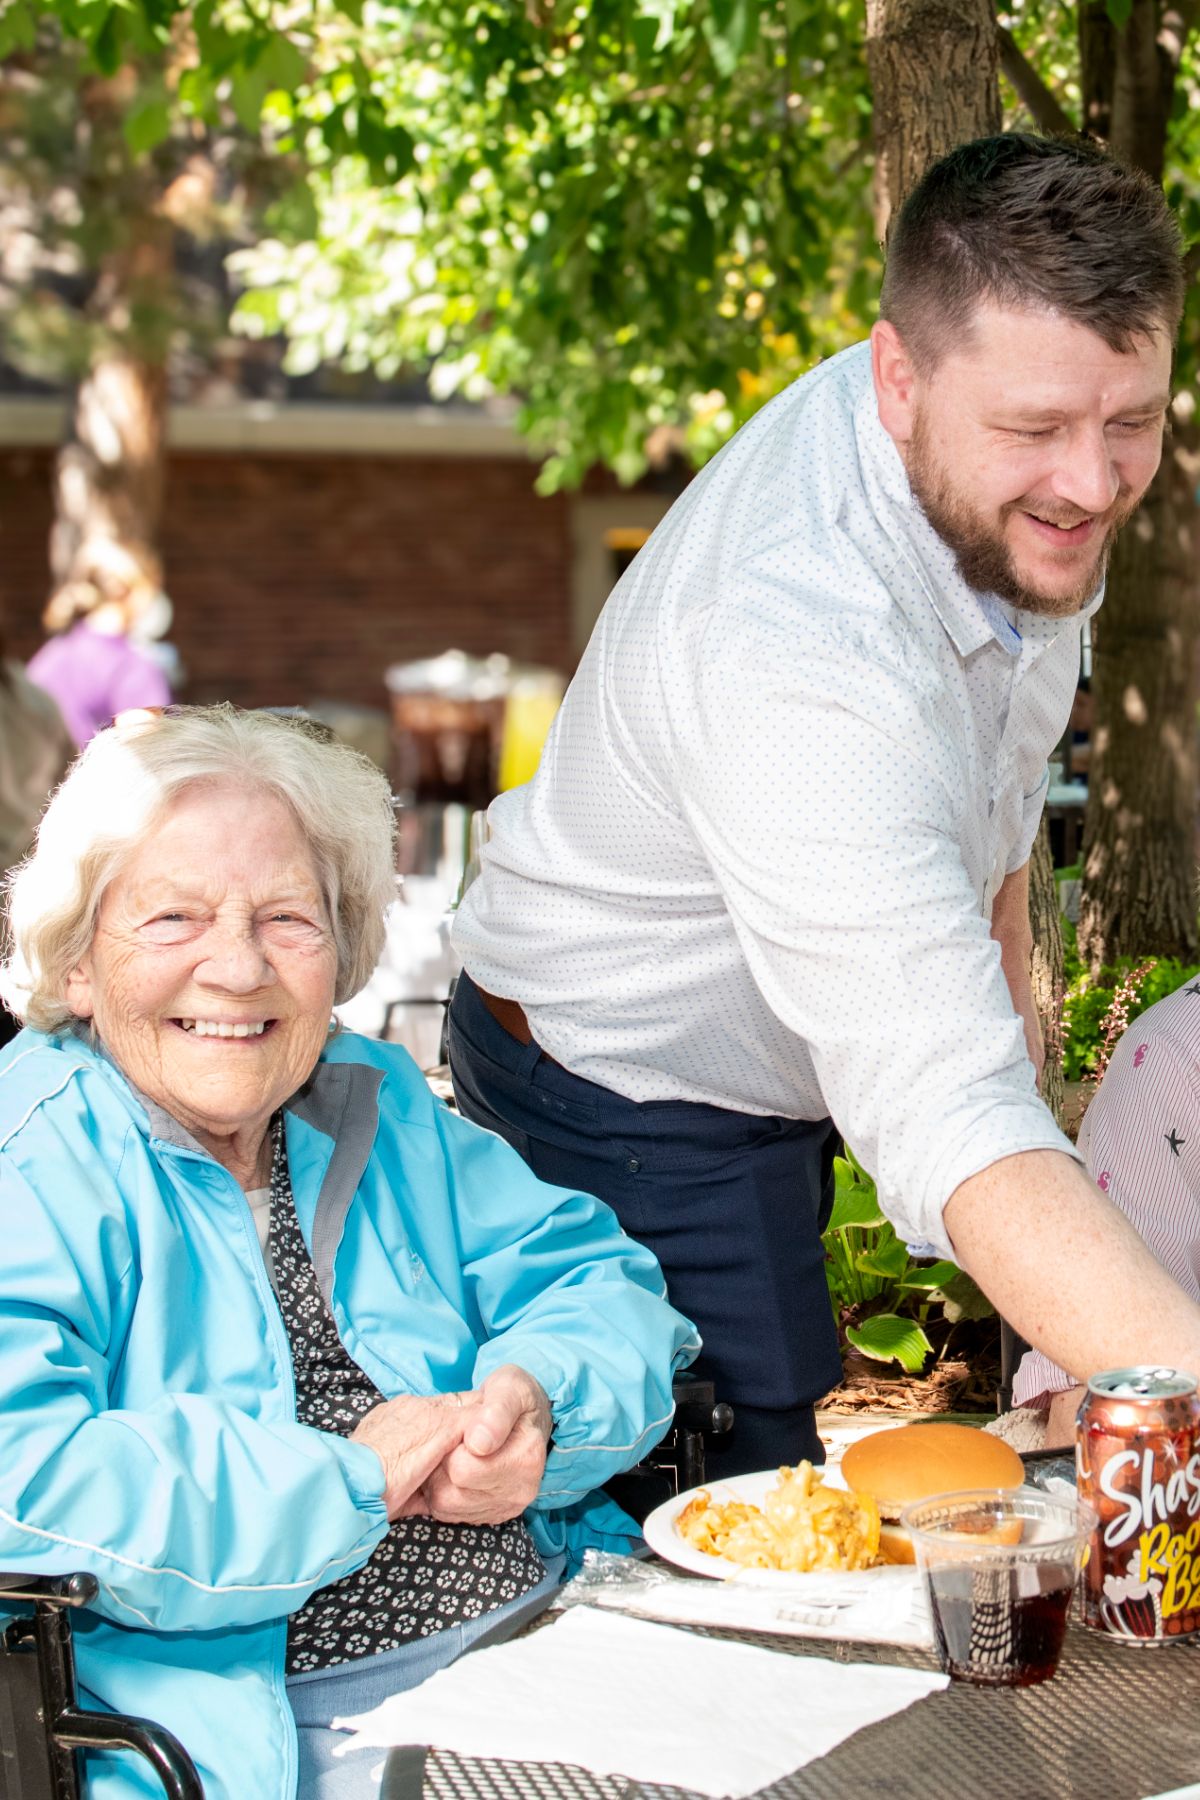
(302, 577)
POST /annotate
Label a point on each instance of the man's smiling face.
(1027, 447)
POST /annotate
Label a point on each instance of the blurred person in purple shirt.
(97, 663)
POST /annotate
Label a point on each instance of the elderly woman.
(315, 1377)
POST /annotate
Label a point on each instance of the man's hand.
(411, 1436)
(496, 1470)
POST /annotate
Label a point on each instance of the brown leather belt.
(509, 1015)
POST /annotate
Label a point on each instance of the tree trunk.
(1138, 893)
(108, 478)
(109, 475)
(1097, 61)
(933, 67)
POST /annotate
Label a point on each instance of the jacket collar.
(339, 1101)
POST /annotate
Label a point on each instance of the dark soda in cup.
(990, 1629)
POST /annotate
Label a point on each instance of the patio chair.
(44, 1733)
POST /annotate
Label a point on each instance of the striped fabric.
(1141, 1141)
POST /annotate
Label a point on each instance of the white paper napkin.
(620, 1696)
(878, 1606)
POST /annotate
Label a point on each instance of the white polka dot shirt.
(757, 863)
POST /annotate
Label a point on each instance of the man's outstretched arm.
(1067, 1269)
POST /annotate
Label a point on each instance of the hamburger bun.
(915, 1462)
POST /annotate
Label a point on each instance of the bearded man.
(770, 883)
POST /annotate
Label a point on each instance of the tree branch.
(1046, 112)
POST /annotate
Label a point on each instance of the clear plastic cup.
(1000, 1569)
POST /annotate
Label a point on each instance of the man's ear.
(79, 992)
(895, 382)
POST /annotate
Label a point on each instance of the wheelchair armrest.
(677, 1463)
(697, 1407)
(77, 1730)
(66, 1727)
(49, 1590)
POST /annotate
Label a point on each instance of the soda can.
(1137, 1457)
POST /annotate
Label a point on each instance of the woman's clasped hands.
(471, 1458)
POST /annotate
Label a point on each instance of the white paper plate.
(659, 1529)
(660, 1533)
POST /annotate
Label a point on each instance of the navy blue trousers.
(731, 1204)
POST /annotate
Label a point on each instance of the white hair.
(116, 793)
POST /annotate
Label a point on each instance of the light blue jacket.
(147, 1408)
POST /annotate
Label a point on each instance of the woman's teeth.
(218, 1028)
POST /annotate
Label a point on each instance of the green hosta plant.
(882, 1297)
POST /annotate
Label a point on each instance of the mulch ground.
(964, 1380)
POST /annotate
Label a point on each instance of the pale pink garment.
(1141, 1141)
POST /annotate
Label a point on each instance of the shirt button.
(633, 1165)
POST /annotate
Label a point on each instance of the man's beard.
(984, 559)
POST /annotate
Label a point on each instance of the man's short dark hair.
(1024, 221)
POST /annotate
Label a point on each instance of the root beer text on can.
(1137, 1453)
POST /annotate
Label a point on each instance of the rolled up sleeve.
(861, 926)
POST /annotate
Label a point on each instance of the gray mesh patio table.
(1114, 1724)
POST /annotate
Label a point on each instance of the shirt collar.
(970, 619)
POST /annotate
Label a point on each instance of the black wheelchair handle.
(50, 1590)
(78, 1730)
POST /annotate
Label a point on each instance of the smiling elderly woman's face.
(211, 975)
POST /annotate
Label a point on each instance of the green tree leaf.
(107, 43)
(281, 63)
(889, 1338)
(147, 124)
(292, 217)
(18, 27)
(249, 86)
